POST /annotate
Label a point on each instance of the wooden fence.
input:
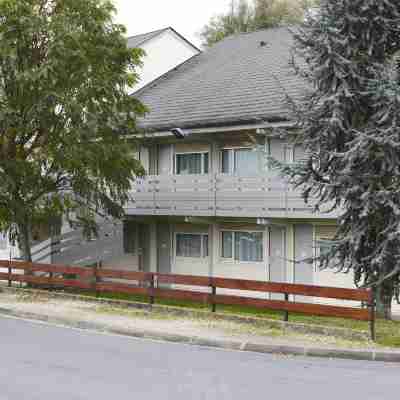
(155, 285)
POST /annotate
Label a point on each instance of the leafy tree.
(64, 113)
(272, 13)
(349, 124)
(245, 16)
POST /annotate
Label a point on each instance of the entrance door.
(277, 257)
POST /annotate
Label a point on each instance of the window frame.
(202, 252)
(202, 153)
(232, 158)
(233, 258)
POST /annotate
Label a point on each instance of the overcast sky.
(186, 16)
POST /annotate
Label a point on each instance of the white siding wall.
(7, 249)
(163, 53)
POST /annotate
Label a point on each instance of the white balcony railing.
(218, 195)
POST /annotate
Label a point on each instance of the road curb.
(348, 354)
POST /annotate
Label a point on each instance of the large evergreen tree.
(64, 113)
(350, 127)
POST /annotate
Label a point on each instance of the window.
(239, 161)
(242, 246)
(129, 237)
(324, 239)
(3, 241)
(192, 163)
(191, 245)
(324, 246)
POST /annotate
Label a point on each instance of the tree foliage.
(350, 126)
(64, 112)
(249, 16)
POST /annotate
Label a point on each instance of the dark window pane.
(188, 245)
(249, 246)
(225, 167)
(206, 161)
(227, 238)
(205, 246)
(129, 232)
(188, 164)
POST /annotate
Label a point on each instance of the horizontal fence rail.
(155, 285)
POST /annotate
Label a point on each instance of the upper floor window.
(242, 246)
(192, 163)
(241, 161)
(191, 245)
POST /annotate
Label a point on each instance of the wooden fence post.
(96, 278)
(51, 280)
(151, 290)
(286, 315)
(372, 306)
(9, 274)
(213, 303)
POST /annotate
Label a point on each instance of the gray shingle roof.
(135, 41)
(236, 81)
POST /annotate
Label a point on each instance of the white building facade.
(164, 49)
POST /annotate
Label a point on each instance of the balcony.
(218, 195)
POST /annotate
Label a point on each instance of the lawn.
(387, 332)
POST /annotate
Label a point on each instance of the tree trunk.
(384, 297)
(25, 241)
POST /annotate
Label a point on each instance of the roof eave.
(216, 128)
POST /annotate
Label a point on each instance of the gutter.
(260, 128)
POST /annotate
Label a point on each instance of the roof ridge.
(273, 28)
(149, 33)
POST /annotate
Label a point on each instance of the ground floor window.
(242, 246)
(191, 245)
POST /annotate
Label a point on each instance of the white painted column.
(266, 253)
(214, 249)
(290, 264)
(153, 247)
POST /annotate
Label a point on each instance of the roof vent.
(263, 43)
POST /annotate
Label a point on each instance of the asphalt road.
(45, 362)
